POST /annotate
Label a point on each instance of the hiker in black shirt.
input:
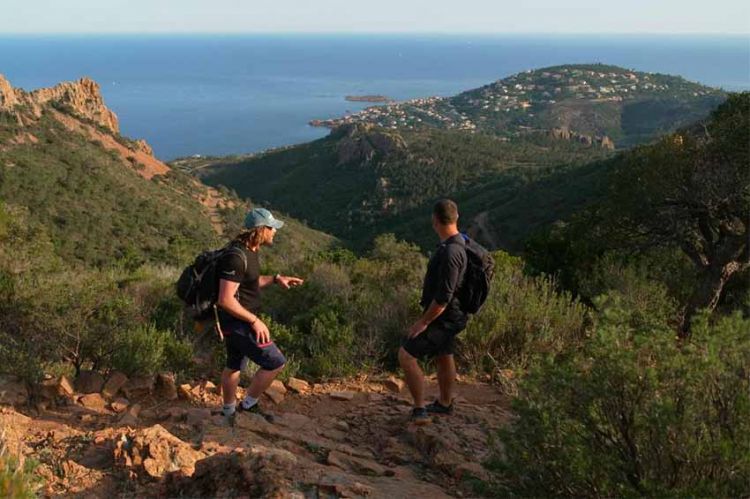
(246, 336)
(442, 318)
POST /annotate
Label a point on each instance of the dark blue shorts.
(438, 339)
(241, 343)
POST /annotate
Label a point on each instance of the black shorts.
(240, 341)
(438, 339)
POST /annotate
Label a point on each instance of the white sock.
(229, 409)
(248, 402)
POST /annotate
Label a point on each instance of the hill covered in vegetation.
(101, 197)
(512, 153)
(592, 103)
(362, 180)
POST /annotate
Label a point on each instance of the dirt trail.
(341, 439)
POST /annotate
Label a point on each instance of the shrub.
(523, 318)
(17, 478)
(146, 349)
(647, 301)
(636, 412)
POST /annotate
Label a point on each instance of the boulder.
(184, 391)
(130, 417)
(113, 385)
(298, 385)
(276, 391)
(166, 386)
(119, 405)
(13, 391)
(138, 387)
(394, 384)
(53, 388)
(278, 386)
(89, 382)
(156, 451)
(92, 401)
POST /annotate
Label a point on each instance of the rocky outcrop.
(8, 97)
(564, 133)
(82, 98)
(362, 142)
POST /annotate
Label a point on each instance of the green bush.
(647, 301)
(523, 318)
(140, 350)
(351, 313)
(635, 413)
(17, 478)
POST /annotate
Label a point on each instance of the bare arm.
(285, 282)
(429, 315)
(228, 302)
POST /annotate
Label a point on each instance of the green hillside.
(99, 208)
(361, 180)
(587, 101)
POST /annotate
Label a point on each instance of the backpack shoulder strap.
(238, 251)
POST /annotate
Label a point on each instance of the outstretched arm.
(285, 282)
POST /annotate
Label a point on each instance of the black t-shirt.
(231, 267)
(445, 273)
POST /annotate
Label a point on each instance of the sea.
(233, 94)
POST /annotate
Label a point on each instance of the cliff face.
(82, 98)
(80, 108)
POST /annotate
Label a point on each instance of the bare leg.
(414, 376)
(229, 381)
(262, 379)
(446, 374)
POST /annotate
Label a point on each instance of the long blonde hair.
(251, 238)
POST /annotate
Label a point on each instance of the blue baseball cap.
(258, 217)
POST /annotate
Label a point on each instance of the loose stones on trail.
(298, 385)
(345, 395)
(394, 384)
(276, 391)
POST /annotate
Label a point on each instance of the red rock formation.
(82, 98)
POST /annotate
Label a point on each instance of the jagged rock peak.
(82, 97)
(8, 98)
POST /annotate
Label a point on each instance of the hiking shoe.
(419, 416)
(437, 408)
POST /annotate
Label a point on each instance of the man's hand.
(262, 334)
(416, 329)
(287, 282)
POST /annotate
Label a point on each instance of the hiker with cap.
(246, 335)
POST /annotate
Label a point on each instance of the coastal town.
(511, 104)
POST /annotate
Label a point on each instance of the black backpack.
(198, 285)
(480, 268)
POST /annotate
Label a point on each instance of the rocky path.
(342, 439)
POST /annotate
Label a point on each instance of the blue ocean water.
(219, 94)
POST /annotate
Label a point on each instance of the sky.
(382, 16)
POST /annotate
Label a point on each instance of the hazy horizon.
(389, 16)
